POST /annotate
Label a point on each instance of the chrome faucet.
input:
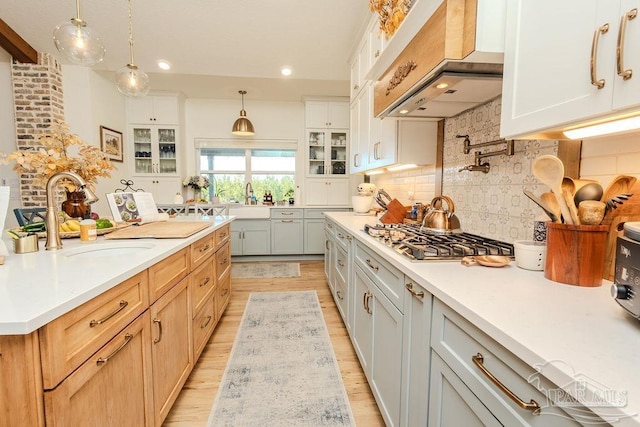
(51, 218)
(248, 193)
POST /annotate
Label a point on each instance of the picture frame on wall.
(111, 144)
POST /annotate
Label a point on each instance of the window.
(229, 169)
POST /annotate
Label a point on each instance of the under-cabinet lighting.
(401, 167)
(622, 125)
(442, 85)
(374, 172)
(404, 111)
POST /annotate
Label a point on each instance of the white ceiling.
(215, 47)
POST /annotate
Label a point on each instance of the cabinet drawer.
(342, 266)
(222, 235)
(168, 272)
(203, 323)
(330, 228)
(201, 249)
(202, 283)
(286, 213)
(223, 293)
(343, 238)
(114, 385)
(69, 340)
(388, 278)
(223, 261)
(457, 341)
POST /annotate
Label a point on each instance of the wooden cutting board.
(160, 230)
(629, 211)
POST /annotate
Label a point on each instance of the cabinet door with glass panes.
(327, 152)
(155, 149)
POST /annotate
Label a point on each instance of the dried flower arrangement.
(391, 12)
(55, 156)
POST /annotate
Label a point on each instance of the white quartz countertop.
(38, 287)
(571, 333)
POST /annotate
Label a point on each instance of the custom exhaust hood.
(449, 90)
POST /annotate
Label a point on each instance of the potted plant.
(289, 194)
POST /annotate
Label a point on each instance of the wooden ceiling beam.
(16, 46)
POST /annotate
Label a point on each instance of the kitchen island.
(577, 338)
(126, 319)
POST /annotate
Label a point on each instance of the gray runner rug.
(264, 270)
(282, 370)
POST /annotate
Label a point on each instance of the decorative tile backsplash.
(491, 204)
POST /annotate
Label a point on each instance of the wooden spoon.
(551, 202)
(545, 206)
(620, 184)
(549, 170)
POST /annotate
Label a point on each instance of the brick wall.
(38, 101)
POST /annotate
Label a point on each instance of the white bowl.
(361, 204)
(530, 255)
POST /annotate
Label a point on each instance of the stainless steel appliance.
(626, 284)
(422, 245)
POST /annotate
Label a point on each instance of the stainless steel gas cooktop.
(422, 245)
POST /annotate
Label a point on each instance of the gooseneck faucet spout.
(51, 218)
(248, 193)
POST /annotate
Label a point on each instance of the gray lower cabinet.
(250, 237)
(313, 236)
(416, 354)
(287, 236)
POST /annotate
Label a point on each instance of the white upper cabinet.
(327, 114)
(154, 109)
(561, 64)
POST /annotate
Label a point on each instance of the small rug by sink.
(262, 270)
(282, 370)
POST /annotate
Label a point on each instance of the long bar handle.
(205, 281)
(532, 405)
(371, 266)
(628, 16)
(206, 323)
(121, 307)
(159, 323)
(599, 83)
(103, 360)
(416, 294)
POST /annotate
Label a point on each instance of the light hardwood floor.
(192, 407)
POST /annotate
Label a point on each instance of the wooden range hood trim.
(16, 46)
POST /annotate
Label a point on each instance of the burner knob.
(620, 291)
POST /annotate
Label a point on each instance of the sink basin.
(250, 211)
(108, 250)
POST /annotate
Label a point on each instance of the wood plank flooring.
(193, 405)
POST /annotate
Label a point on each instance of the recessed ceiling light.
(442, 85)
(285, 71)
(163, 64)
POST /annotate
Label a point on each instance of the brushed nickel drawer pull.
(159, 323)
(205, 324)
(224, 261)
(416, 294)
(622, 32)
(286, 213)
(205, 281)
(533, 406)
(339, 294)
(205, 248)
(373, 267)
(369, 296)
(599, 83)
(286, 220)
(326, 244)
(103, 360)
(365, 300)
(226, 291)
(340, 263)
(375, 55)
(349, 238)
(122, 306)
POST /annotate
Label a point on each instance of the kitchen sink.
(107, 250)
(249, 211)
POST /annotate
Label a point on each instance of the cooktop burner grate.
(424, 245)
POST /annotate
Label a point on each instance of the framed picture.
(111, 143)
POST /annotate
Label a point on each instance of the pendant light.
(130, 80)
(243, 126)
(78, 43)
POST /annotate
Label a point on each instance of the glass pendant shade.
(78, 43)
(133, 82)
(243, 126)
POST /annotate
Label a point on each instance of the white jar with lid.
(88, 231)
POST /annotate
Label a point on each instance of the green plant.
(289, 193)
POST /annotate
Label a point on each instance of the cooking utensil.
(620, 184)
(550, 200)
(549, 170)
(591, 212)
(440, 217)
(543, 205)
(613, 203)
(486, 260)
(567, 195)
(589, 191)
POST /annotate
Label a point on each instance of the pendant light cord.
(130, 34)
(78, 11)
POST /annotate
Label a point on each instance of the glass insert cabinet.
(327, 152)
(155, 149)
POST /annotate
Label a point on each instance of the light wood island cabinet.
(122, 357)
